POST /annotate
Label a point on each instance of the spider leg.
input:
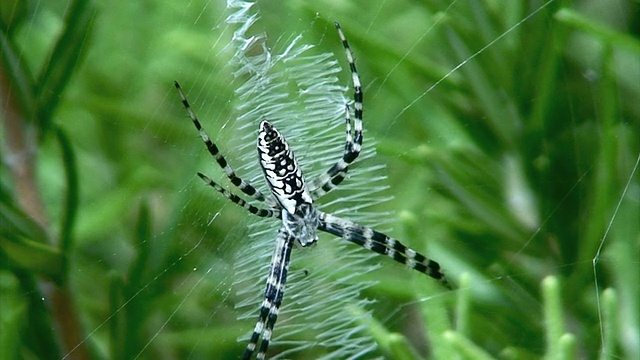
(338, 171)
(273, 212)
(244, 186)
(382, 244)
(272, 296)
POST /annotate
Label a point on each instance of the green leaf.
(65, 59)
(33, 256)
(606, 34)
(554, 318)
(13, 309)
(71, 196)
(466, 348)
(393, 345)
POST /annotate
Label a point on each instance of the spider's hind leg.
(382, 244)
(273, 295)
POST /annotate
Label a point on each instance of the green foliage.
(510, 131)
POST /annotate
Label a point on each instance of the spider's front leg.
(382, 244)
(338, 172)
(272, 296)
(241, 184)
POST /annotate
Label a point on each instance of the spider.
(292, 201)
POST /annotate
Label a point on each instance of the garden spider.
(292, 201)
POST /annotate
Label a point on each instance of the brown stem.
(20, 158)
(21, 153)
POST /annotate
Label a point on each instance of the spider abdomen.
(281, 170)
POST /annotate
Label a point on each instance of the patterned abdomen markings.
(281, 169)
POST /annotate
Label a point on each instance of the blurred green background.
(510, 131)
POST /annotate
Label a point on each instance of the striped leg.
(382, 244)
(272, 296)
(274, 212)
(338, 172)
(244, 186)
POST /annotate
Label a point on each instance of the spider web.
(299, 92)
(218, 275)
(517, 196)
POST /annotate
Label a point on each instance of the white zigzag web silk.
(320, 295)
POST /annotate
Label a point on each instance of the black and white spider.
(292, 201)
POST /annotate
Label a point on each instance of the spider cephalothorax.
(292, 201)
